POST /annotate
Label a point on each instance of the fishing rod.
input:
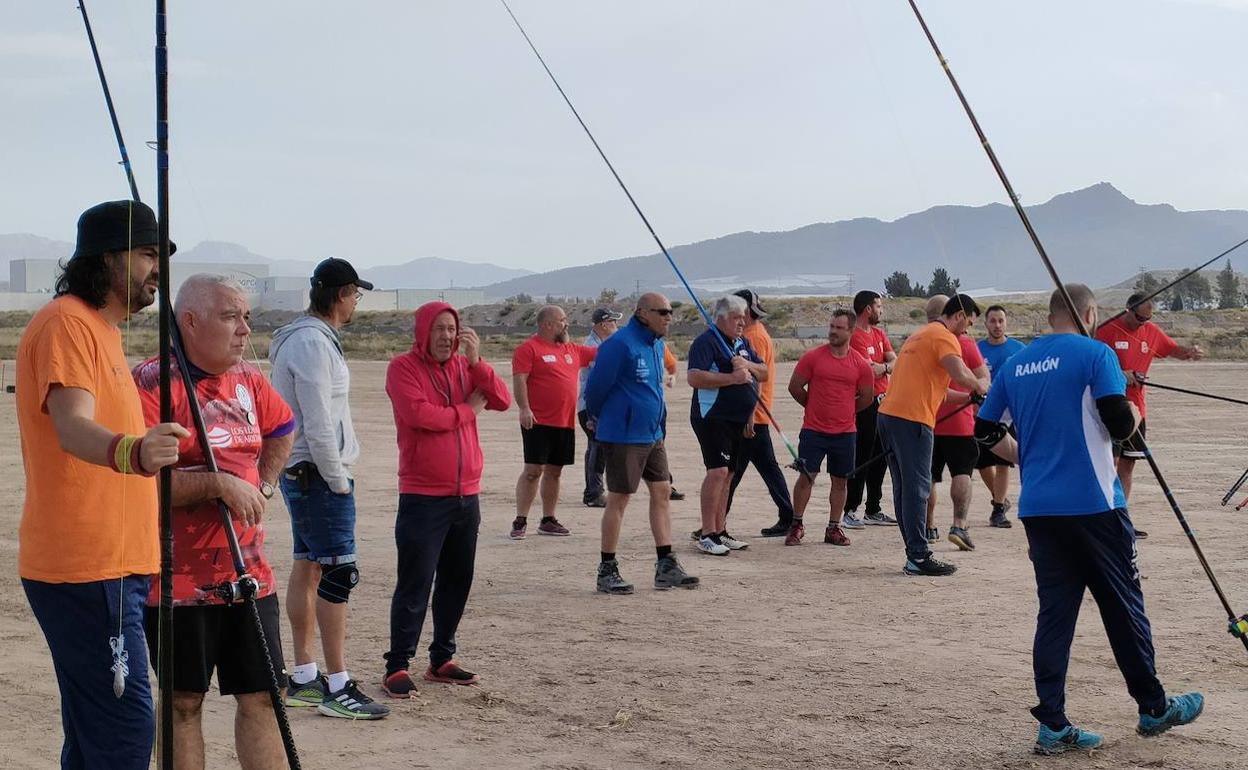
(1131, 308)
(171, 342)
(1228, 399)
(1235, 488)
(797, 460)
(1238, 623)
(882, 455)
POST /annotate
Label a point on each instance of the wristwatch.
(267, 490)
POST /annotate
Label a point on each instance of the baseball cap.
(116, 226)
(335, 272)
(605, 314)
(751, 299)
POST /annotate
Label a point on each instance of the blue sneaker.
(1069, 738)
(1180, 710)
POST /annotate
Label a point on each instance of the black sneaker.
(350, 703)
(696, 534)
(929, 567)
(961, 538)
(609, 580)
(933, 535)
(308, 694)
(999, 520)
(669, 574)
(675, 495)
(595, 502)
(879, 519)
(779, 529)
(1141, 534)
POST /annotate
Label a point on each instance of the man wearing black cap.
(88, 541)
(310, 372)
(605, 323)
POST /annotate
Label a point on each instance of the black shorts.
(548, 445)
(989, 459)
(957, 452)
(220, 637)
(839, 448)
(1132, 448)
(628, 464)
(721, 441)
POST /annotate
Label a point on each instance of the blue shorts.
(78, 621)
(322, 522)
(813, 446)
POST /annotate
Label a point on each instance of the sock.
(521, 519)
(608, 555)
(338, 681)
(303, 673)
(547, 518)
(713, 536)
(663, 550)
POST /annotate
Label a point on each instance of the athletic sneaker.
(609, 580)
(669, 574)
(350, 703)
(1069, 738)
(879, 519)
(933, 535)
(450, 673)
(399, 685)
(779, 529)
(852, 520)
(696, 534)
(597, 502)
(709, 546)
(1180, 710)
(795, 533)
(835, 535)
(961, 538)
(733, 543)
(678, 496)
(517, 529)
(999, 520)
(929, 567)
(552, 526)
(308, 694)
(1141, 534)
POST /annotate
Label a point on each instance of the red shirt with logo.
(1135, 351)
(833, 388)
(553, 369)
(962, 423)
(240, 410)
(872, 345)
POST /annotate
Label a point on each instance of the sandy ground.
(786, 658)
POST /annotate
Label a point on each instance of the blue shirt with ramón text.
(1048, 391)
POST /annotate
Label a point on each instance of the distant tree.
(607, 296)
(1146, 283)
(898, 285)
(1229, 295)
(942, 283)
(520, 299)
(1194, 293)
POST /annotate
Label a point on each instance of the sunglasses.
(663, 311)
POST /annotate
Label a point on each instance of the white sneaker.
(707, 545)
(733, 543)
(852, 520)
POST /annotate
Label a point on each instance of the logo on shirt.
(244, 397)
(870, 350)
(1143, 346)
(642, 369)
(567, 358)
(218, 437)
(1122, 345)
(1037, 367)
(550, 358)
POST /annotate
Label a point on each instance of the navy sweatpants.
(759, 450)
(437, 541)
(1094, 552)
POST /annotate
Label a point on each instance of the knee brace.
(336, 582)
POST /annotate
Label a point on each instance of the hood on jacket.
(283, 335)
(425, 315)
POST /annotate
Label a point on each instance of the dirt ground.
(809, 657)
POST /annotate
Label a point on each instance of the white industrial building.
(33, 281)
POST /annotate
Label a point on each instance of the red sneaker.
(399, 685)
(835, 535)
(796, 530)
(552, 526)
(450, 673)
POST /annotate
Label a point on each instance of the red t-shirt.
(833, 388)
(240, 409)
(872, 345)
(962, 423)
(553, 369)
(1136, 350)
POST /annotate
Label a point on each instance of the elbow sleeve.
(988, 433)
(1115, 412)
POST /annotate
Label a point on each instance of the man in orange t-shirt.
(545, 372)
(88, 540)
(758, 449)
(928, 361)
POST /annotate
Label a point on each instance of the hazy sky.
(384, 131)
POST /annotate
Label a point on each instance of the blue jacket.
(624, 391)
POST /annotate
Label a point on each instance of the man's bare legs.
(256, 737)
(715, 500)
(307, 612)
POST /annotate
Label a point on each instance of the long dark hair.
(87, 278)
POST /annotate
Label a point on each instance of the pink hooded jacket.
(439, 451)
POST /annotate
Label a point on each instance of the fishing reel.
(1239, 627)
(235, 591)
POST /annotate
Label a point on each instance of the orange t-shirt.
(760, 340)
(669, 360)
(81, 522)
(919, 382)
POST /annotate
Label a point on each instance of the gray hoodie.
(310, 372)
